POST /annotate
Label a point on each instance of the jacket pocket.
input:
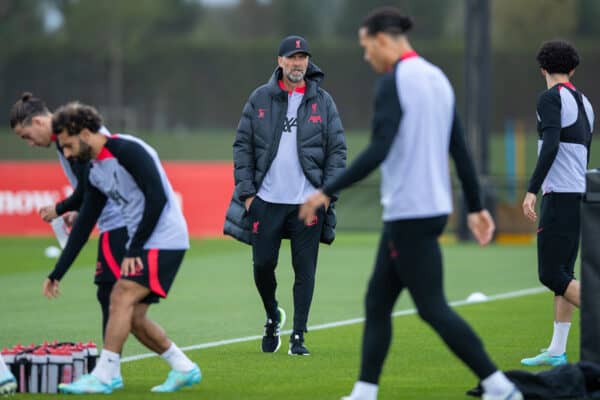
(253, 206)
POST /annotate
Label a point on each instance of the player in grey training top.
(31, 120)
(565, 122)
(415, 128)
(128, 171)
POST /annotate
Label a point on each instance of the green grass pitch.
(214, 299)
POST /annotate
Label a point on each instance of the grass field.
(214, 299)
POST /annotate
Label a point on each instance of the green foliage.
(21, 23)
(430, 16)
(99, 26)
(588, 14)
(535, 20)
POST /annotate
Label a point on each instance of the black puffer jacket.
(321, 145)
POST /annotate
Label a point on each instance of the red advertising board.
(204, 189)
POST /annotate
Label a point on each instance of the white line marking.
(353, 321)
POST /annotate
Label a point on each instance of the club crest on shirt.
(289, 123)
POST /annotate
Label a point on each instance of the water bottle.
(61, 231)
(60, 363)
(66, 371)
(78, 352)
(44, 383)
(38, 372)
(22, 362)
(92, 356)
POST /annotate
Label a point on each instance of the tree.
(21, 23)
(116, 30)
(588, 14)
(539, 20)
(429, 15)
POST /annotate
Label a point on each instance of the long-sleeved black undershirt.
(75, 200)
(92, 206)
(549, 111)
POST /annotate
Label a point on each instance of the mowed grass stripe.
(419, 366)
(335, 324)
(214, 297)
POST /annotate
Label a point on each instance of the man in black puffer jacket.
(289, 141)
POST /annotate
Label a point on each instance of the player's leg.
(572, 295)
(111, 250)
(162, 269)
(103, 295)
(103, 291)
(184, 371)
(124, 296)
(558, 245)
(148, 332)
(420, 268)
(267, 230)
(565, 305)
(304, 242)
(382, 293)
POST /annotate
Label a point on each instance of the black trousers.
(558, 240)
(270, 224)
(409, 257)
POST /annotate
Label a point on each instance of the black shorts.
(158, 274)
(111, 250)
(558, 239)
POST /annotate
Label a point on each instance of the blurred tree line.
(157, 57)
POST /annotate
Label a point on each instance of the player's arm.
(465, 167)
(386, 122)
(75, 200)
(93, 204)
(479, 220)
(549, 110)
(335, 156)
(243, 155)
(140, 164)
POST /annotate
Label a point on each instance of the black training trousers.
(558, 240)
(409, 257)
(270, 223)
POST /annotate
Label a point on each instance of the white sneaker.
(515, 394)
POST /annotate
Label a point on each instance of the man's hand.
(248, 202)
(310, 206)
(70, 218)
(529, 207)
(482, 226)
(50, 289)
(131, 266)
(48, 213)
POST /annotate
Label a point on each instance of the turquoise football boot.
(545, 359)
(177, 380)
(117, 383)
(8, 385)
(86, 384)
